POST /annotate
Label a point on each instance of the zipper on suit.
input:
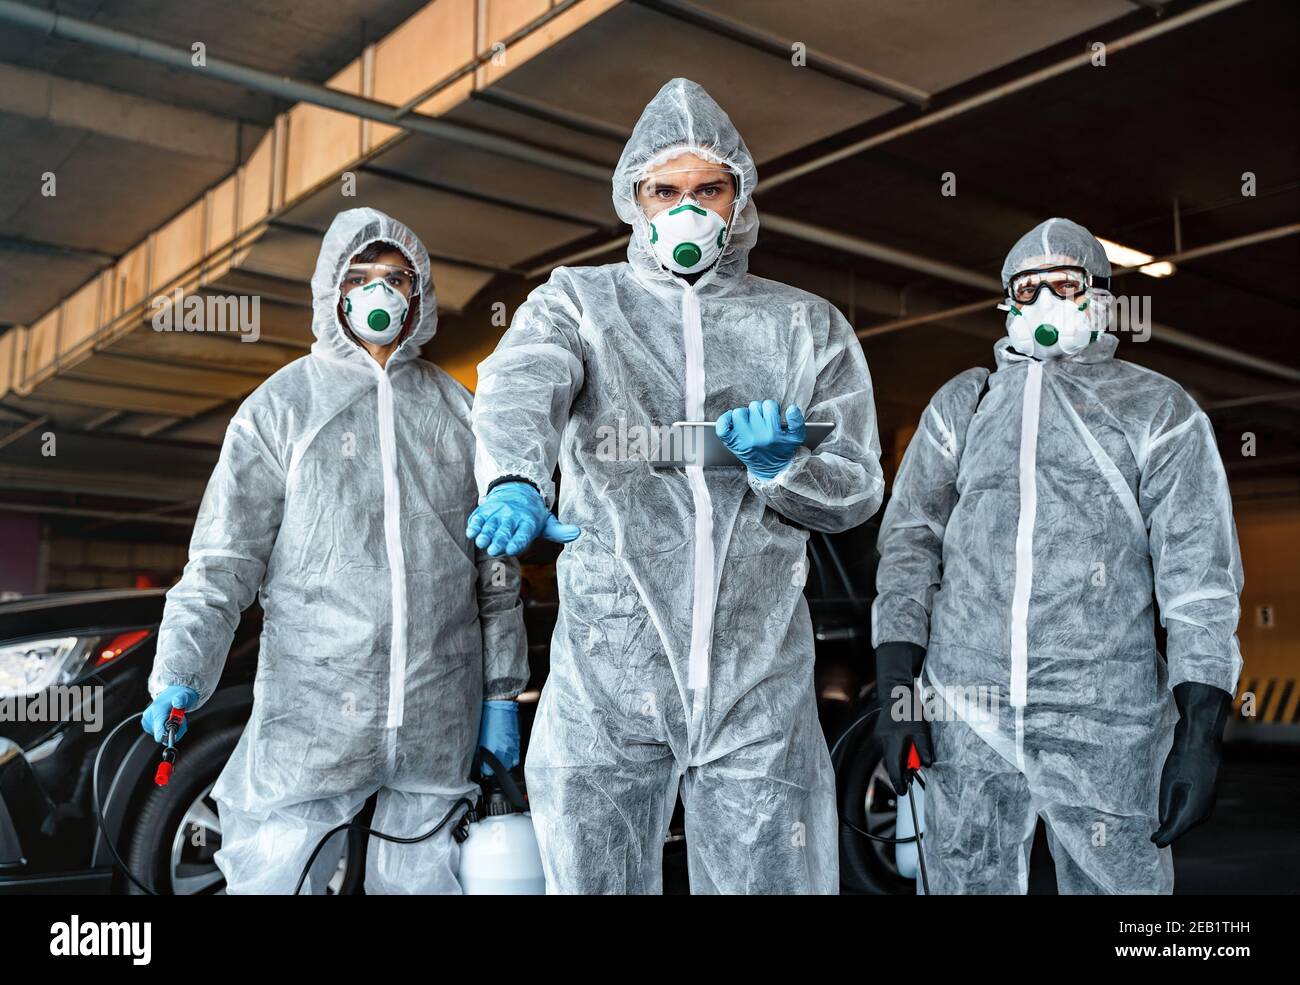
(396, 556)
(703, 599)
(1030, 407)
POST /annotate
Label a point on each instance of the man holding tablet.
(683, 652)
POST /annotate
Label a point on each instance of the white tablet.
(697, 443)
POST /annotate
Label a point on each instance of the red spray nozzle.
(163, 774)
(913, 758)
(173, 726)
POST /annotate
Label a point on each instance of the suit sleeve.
(840, 485)
(1195, 558)
(525, 390)
(234, 535)
(923, 498)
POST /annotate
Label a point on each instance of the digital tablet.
(697, 443)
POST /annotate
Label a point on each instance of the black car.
(167, 835)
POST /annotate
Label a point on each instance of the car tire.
(866, 866)
(164, 809)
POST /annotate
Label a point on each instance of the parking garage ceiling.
(133, 142)
(1147, 151)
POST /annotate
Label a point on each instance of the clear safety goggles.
(665, 190)
(401, 279)
(1066, 282)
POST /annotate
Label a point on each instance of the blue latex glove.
(757, 437)
(498, 733)
(511, 517)
(155, 716)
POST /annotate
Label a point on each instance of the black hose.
(844, 820)
(99, 807)
(920, 853)
(352, 825)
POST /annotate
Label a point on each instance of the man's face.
(1063, 275)
(389, 266)
(687, 177)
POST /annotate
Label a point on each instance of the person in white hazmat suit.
(1039, 513)
(340, 500)
(683, 653)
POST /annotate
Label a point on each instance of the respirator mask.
(376, 298)
(687, 235)
(1054, 311)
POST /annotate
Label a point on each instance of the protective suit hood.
(350, 232)
(1056, 241)
(683, 118)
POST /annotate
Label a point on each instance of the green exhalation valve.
(378, 320)
(1046, 335)
(686, 255)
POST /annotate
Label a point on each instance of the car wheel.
(178, 830)
(868, 801)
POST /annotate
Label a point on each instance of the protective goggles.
(401, 279)
(1066, 282)
(668, 189)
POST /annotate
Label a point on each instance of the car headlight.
(28, 667)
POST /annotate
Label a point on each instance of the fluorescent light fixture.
(1126, 256)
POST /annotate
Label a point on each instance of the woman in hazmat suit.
(340, 501)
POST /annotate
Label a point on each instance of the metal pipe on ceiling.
(1285, 396)
(294, 90)
(858, 246)
(817, 61)
(546, 113)
(911, 321)
(132, 483)
(108, 417)
(115, 515)
(17, 244)
(995, 93)
(579, 257)
(1223, 246)
(478, 61)
(515, 205)
(22, 430)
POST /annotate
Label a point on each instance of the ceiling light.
(1126, 256)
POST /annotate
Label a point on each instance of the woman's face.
(391, 266)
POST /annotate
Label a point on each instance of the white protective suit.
(681, 577)
(340, 499)
(1023, 547)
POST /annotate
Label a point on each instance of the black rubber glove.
(1187, 782)
(897, 666)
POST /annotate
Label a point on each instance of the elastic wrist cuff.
(511, 478)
